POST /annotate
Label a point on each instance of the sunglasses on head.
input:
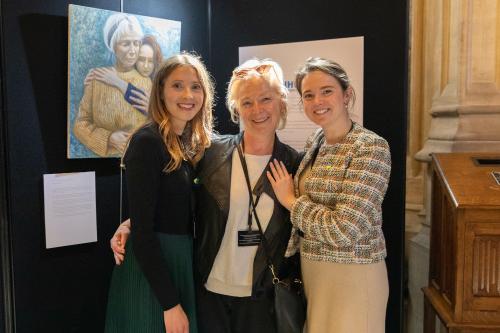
(243, 72)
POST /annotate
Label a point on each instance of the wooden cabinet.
(464, 271)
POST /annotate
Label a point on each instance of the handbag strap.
(250, 194)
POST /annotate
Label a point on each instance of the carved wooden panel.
(485, 266)
(482, 262)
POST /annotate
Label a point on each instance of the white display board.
(70, 209)
(348, 52)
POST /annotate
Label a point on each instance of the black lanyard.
(251, 204)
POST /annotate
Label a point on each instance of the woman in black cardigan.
(153, 291)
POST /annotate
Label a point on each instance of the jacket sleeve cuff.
(296, 211)
(167, 302)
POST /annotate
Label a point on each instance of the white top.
(232, 271)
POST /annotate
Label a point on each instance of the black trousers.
(227, 314)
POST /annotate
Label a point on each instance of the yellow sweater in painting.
(103, 110)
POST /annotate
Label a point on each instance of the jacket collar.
(219, 153)
(317, 140)
(220, 157)
(279, 153)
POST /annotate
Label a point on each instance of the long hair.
(157, 54)
(198, 131)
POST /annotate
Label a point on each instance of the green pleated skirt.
(132, 306)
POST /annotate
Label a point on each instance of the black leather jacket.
(213, 209)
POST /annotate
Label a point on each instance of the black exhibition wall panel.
(5, 280)
(384, 27)
(62, 289)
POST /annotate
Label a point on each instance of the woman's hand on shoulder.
(118, 241)
(90, 77)
(282, 183)
(176, 320)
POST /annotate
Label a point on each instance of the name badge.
(248, 237)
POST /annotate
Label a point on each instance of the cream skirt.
(345, 298)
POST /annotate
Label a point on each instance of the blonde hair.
(199, 128)
(266, 69)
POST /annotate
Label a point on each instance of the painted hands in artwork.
(282, 183)
(106, 75)
(118, 141)
(110, 77)
(141, 100)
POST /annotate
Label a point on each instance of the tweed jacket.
(103, 110)
(340, 212)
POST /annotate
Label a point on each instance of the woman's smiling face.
(183, 96)
(324, 99)
(259, 106)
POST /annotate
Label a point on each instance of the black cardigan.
(158, 202)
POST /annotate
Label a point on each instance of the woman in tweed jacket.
(335, 205)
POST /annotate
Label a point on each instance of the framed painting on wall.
(112, 59)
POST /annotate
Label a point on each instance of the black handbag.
(289, 299)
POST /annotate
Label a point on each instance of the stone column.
(466, 108)
(454, 103)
